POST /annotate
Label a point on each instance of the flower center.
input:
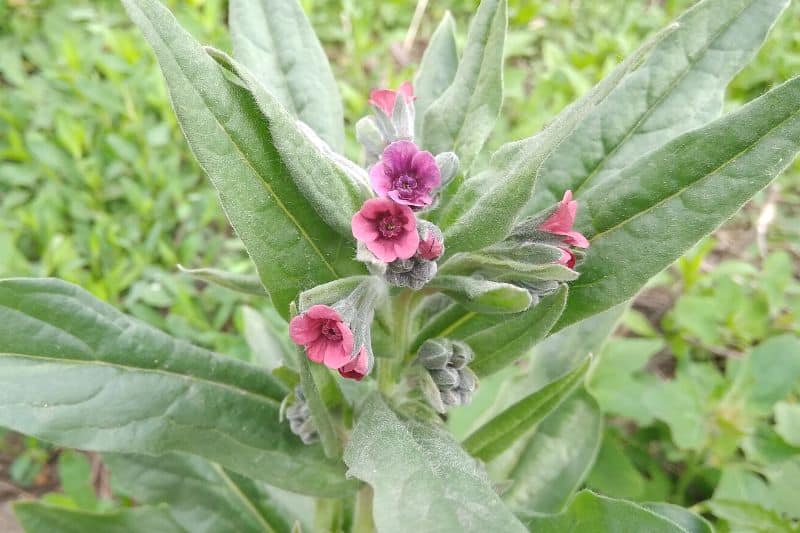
(405, 186)
(330, 331)
(390, 226)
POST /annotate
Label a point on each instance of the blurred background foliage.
(97, 187)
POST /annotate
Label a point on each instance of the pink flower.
(388, 230)
(561, 221)
(567, 258)
(406, 174)
(358, 367)
(326, 338)
(430, 248)
(384, 99)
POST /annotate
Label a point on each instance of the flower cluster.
(404, 178)
(446, 362)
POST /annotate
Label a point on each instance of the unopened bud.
(413, 273)
(299, 415)
(434, 353)
(448, 166)
(462, 354)
(446, 378)
(431, 241)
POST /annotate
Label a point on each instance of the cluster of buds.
(299, 416)
(445, 362)
(393, 241)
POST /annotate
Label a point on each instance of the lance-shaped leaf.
(437, 68)
(591, 513)
(557, 457)
(690, 522)
(652, 212)
(275, 41)
(422, 480)
(262, 167)
(38, 517)
(482, 210)
(491, 439)
(679, 87)
(483, 296)
(201, 496)
(462, 118)
(508, 268)
(78, 373)
(244, 283)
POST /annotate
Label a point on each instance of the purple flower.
(406, 174)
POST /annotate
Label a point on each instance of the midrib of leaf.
(189, 378)
(684, 189)
(252, 509)
(261, 179)
(693, 60)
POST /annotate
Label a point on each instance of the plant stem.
(362, 515)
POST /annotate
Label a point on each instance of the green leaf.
(38, 517)
(422, 480)
(687, 520)
(78, 373)
(255, 164)
(491, 439)
(436, 69)
(499, 341)
(679, 87)
(200, 495)
(462, 118)
(557, 457)
(482, 210)
(243, 283)
(749, 516)
(75, 476)
(668, 200)
(502, 268)
(265, 334)
(275, 41)
(483, 296)
(787, 422)
(592, 513)
(768, 374)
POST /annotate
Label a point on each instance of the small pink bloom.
(406, 174)
(358, 367)
(567, 258)
(561, 221)
(430, 248)
(384, 99)
(326, 338)
(388, 230)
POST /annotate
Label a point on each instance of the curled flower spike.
(325, 336)
(387, 229)
(358, 367)
(406, 174)
(384, 99)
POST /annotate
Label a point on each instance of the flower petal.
(381, 182)
(425, 170)
(398, 157)
(303, 330)
(383, 99)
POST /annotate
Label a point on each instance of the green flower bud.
(462, 354)
(446, 378)
(299, 416)
(434, 353)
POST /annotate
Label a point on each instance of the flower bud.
(448, 166)
(413, 273)
(434, 353)
(431, 241)
(299, 415)
(450, 398)
(446, 378)
(462, 354)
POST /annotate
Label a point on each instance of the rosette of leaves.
(650, 157)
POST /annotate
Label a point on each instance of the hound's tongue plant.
(403, 280)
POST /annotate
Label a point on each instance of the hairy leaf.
(491, 439)
(462, 118)
(483, 296)
(37, 517)
(78, 373)
(275, 41)
(243, 283)
(437, 68)
(290, 242)
(657, 208)
(422, 480)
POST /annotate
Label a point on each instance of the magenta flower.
(561, 221)
(384, 99)
(388, 230)
(406, 174)
(567, 258)
(357, 368)
(326, 338)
